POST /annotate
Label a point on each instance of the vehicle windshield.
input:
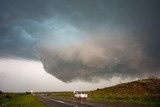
(80, 93)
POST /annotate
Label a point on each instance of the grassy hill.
(146, 91)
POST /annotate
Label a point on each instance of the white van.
(80, 94)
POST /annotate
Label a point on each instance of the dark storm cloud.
(83, 39)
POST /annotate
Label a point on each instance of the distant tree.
(1, 92)
(8, 96)
(28, 93)
(153, 77)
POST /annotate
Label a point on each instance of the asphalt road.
(54, 102)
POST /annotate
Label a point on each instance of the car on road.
(80, 94)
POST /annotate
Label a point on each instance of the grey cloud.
(83, 39)
(103, 58)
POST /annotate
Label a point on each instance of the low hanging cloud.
(96, 57)
(83, 40)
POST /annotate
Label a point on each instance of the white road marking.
(59, 101)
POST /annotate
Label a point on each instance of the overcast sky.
(57, 45)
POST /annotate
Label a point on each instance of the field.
(19, 100)
(146, 91)
(65, 94)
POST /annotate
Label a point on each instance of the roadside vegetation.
(146, 91)
(65, 94)
(19, 100)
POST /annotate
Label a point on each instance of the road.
(54, 102)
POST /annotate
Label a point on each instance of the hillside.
(146, 91)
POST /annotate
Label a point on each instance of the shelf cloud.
(83, 40)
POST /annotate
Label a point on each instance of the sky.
(66, 45)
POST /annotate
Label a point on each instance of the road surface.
(54, 102)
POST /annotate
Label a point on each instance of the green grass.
(141, 100)
(66, 95)
(20, 100)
